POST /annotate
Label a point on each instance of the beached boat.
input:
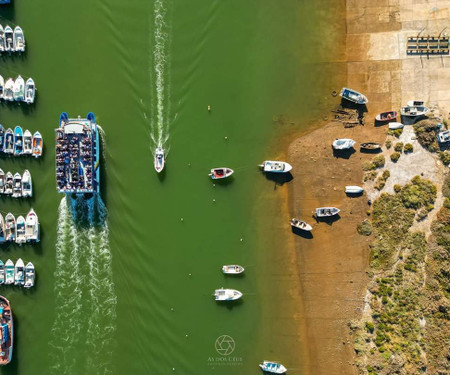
(395, 125)
(8, 147)
(2, 86)
(343, 144)
(6, 331)
(20, 230)
(17, 186)
(9, 272)
(386, 116)
(32, 233)
(352, 189)
(159, 159)
(275, 166)
(233, 269)
(227, 294)
(2, 272)
(19, 89)
(10, 227)
(30, 91)
(2, 230)
(27, 184)
(27, 142)
(297, 223)
(353, 96)
(415, 103)
(19, 275)
(444, 137)
(9, 39)
(2, 137)
(37, 144)
(30, 275)
(2, 39)
(218, 173)
(370, 146)
(327, 211)
(272, 367)
(18, 140)
(8, 90)
(18, 39)
(2, 181)
(413, 111)
(9, 181)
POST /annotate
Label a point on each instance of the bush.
(370, 176)
(419, 193)
(382, 180)
(388, 144)
(396, 133)
(379, 161)
(398, 147)
(422, 214)
(386, 174)
(445, 157)
(426, 134)
(370, 327)
(395, 156)
(397, 188)
(408, 148)
(365, 228)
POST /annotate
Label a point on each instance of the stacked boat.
(17, 90)
(17, 274)
(11, 40)
(21, 230)
(18, 142)
(17, 186)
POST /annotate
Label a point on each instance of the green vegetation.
(377, 162)
(398, 147)
(388, 144)
(396, 132)
(445, 157)
(395, 156)
(365, 228)
(370, 176)
(381, 181)
(408, 148)
(426, 134)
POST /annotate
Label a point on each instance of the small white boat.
(8, 91)
(395, 125)
(233, 269)
(2, 272)
(159, 159)
(30, 91)
(19, 89)
(9, 182)
(20, 230)
(343, 144)
(296, 223)
(27, 184)
(227, 294)
(2, 229)
(37, 144)
(18, 39)
(30, 275)
(9, 272)
(275, 166)
(2, 181)
(32, 232)
(353, 189)
(353, 96)
(272, 367)
(444, 137)
(2, 86)
(327, 211)
(2, 39)
(415, 103)
(370, 146)
(219, 173)
(19, 274)
(27, 142)
(10, 227)
(413, 111)
(17, 186)
(9, 42)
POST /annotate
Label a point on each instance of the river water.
(135, 295)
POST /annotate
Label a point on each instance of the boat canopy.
(73, 129)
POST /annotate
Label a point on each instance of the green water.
(136, 296)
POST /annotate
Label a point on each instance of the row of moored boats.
(17, 274)
(18, 142)
(21, 230)
(12, 40)
(17, 90)
(17, 186)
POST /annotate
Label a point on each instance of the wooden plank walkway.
(427, 45)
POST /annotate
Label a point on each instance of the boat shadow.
(279, 178)
(375, 151)
(24, 107)
(409, 120)
(223, 181)
(378, 123)
(328, 220)
(302, 233)
(230, 305)
(8, 12)
(354, 195)
(237, 276)
(162, 175)
(361, 108)
(343, 154)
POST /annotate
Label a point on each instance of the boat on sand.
(370, 146)
(343, 144)
(327, 211)
(386, 116)
(353, 189)
(353, 96)
(219, 173)
(297, 223)
(395, 125)
(275, 166)
(414, 111)
(227, 294)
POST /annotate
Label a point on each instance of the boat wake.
(84, 325)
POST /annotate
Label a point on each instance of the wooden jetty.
(427, 45)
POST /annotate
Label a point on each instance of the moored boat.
(18, 39)
(9, 181)
(353, 189)
(327, 211)
(6, 331)
(2, 229)
(353, 96)
(297, 223)
(2, 39)
(413, 111)
(2, 272)
(2, 181)
(18, 140)
(27, 142)
(2, 86)
(219, 173)
(233, 269)
(370, 146)
(37, 144)
(8, 90)
(27, 184)
(8, 147)
(32, 226)
(2, 137)
(30, 275)
(386, 116)
(30, 91)
(19, 89)
(159, 159)
(343, 144)
(444, 137)
(10, 227)
(9, 272)
(395, 125)
(19, 276)
(20, 230)
(17, 186)
(272, 367)
(276, 166)
(227, 294)
(9, 36)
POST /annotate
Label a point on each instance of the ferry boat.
(10, 227)
(30, 275)
(37, 144)
(8, 90)
(2, 229)
(27, 184)
(219, 173)
(275, 166)
(32, 227)
(159, 159)
(9, 35)
(9, 272)
(303, 225)
(327, 211)
(30, 91)
(2, 272)
(273, 367)
(18, 140)
(19, 277)
(19, 89)
(343, 144)
(2, 181)
(233, 269)
(6, 331)
(353, 96)
(2, 85)
(8, 184)
(27, 142)
(20, 230)
(17, 186)
(77, 155)
(18, 39)
(2, 38)
(227, 294)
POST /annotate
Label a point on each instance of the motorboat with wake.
(32, 232)
(9, 39)
(17, 186)
(2, 272)
(297, 223)
(227, 294)
(219, 173)
(272, 367)
(2, 229)
(30, 275)
(353, 96)
(8, 147)
(9, 272)
(159, 159)
(19, 276)
(18, 140)
(18, 39)
(27, 184)
(327, 211)
(9, 183)
(19, 89)
(20, 230)
(27, 142)
(343, 144)
(395, 125)
(275, 166)
(351, 189)
(37, 144)
(8, 90)
(233, 269)
(30, 91)
(10, 227)
(6, 331)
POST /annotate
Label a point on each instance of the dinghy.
(2, 39)
(219, 173)
(32, 233)
(8, 147)
(353, 96)
(18, 141)
(9, 272)
(37, 144)
(370, 146)
(275, 166)
(343, 144)
(8, 190)
(227, 294)
(386, 116)
(159, 159)
(2, 273)
(8, 90)
(20, 230)
(414, 111)
(2, 229)
(2, 137)
(10, 227)
(296, 223)
(18, 39)
(415, 103)
(395, 125)
(353, 189)
(27, 143)
(2, 86)
(327, 211)
(2, 181)
(27, 184)
(9, 36)
(30, 91)
(30, 275)
(17, 186)
(272, 367)
(19, 89)
(232, 269)
(444, 137)
(19, 276)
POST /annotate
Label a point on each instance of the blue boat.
(18, 141)
(5, 1)
(2, 137)
(8, 145)
(353, 96)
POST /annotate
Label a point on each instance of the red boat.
(386, 116)
(218, 173)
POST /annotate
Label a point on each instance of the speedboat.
(327, 211)
(414, 111)
(296, 223)
(30, 91)
(9, 36)
(2, 137)
(8, 91)
(275, 166)
(2, 181)
(19, 89)
(37, 144)
(32, 227)
(10, 227)
(27, 142)
(273, 367)
(233, 269)
(343, 144)
(17, 186)
(395, 125)
(416, 103)
(2, 272)
(9, 272)
(370, 146)
(8, 147)
(8, 190)
(386, 116)
(353, 96)
(444, 136)
(159, 159)
(18, 39)
(19, 276)
(18, 140)
(2, 39)
(2, 86)
(2, 229)
(27, 184)
(20, 230)
(353, 189)
(6, 331)
(30, 275)
(227, 294)
(219, 173)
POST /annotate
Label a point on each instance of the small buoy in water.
(182, 219)
(187, 335)
(226, 138)
(209, 108)
(190, 274)
(171, 309)
(242, 239)
(214, 200)
(189, 164)
(214, 185)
